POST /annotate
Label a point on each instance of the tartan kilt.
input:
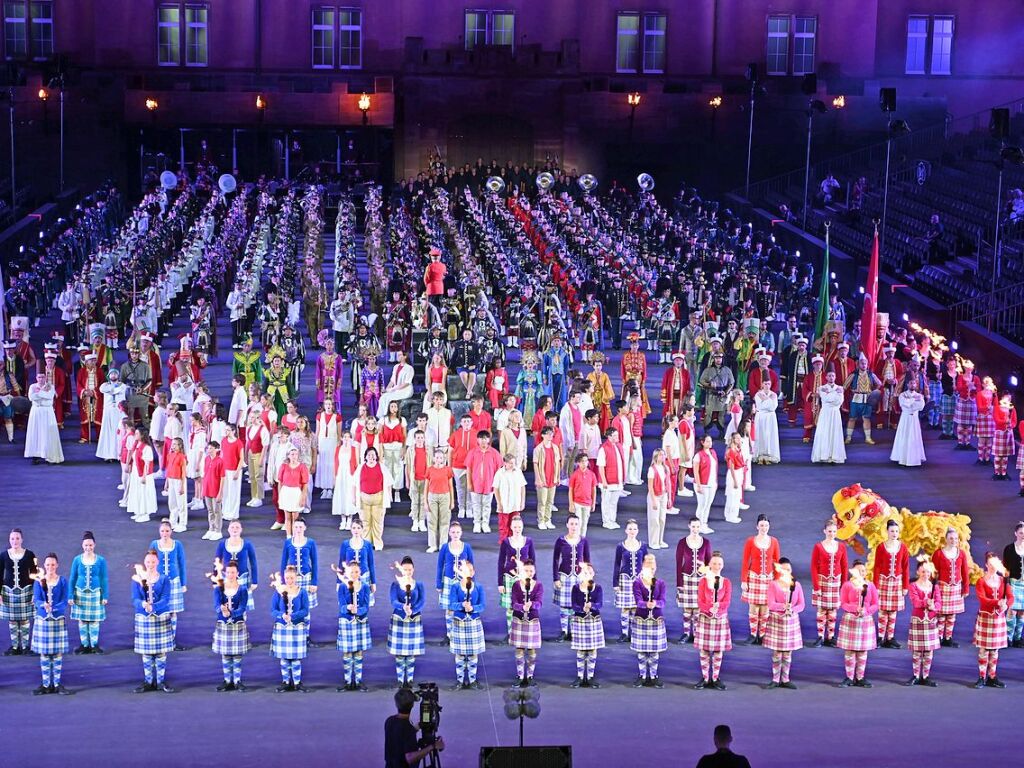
(446, 591)
(506, 599)
(467, 638)
(924, 635)
(826, 597)
(353, 635)
(625, 600)
(965, 412)
(405, 636)
(934, 392)
(231, 639)
(563, 594)
(244, 580)
(985, 427)
(890, 594)
(783, 633)
(757, 589)
(951, 597)
(1004, 444)
(524, 634)
(305, 581)
(686, 595)
(857, 634)
(176, 603)
(88, 606)
(289, 641)
(1020, 460)
(647, 635)
(712, 634)
(1017, 586)
(50, 636)
(947, 406)
(17, 604)
(153, 634)
(990, 631)
(587, 632)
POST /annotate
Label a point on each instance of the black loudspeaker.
(752, 72)
(809, 85)
(887, 99)
(999, 123)
(526, 757)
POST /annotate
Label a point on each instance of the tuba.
(495, 184)
(587, 182)
(227, 183)
(545, 181)
(645, 181)
(168, 180)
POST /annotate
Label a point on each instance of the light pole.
(814, 107)
(261, 111)
(894, 130)
(14, 193)
(715, 102)
(364, 107)
(752, 77)
(633, 99)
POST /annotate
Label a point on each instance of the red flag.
(868, 316)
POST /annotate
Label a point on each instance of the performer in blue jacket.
(50, 631)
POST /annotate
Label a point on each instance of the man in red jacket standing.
(433, 278)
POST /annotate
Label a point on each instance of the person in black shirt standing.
(401, 747)
(723, 756)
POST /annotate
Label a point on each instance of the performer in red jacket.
(953, 577)
(985, 427)
(713, 637)
(994, 596)
(859, 600)
(1005, 416)
(90, 402)
(760, 554)
(761, 372)
(828, 567)
(675, 385)
(891, 576)
(965, 411)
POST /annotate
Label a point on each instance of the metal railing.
(1000, 311)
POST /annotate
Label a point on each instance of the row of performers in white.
(580, 600)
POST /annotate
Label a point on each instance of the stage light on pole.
(832, 275)
(894, 130)
(1013, 381)
(839, 102)
(814, 107)
(364, 107)
(954, 346)
(861, 289)
(906, 318)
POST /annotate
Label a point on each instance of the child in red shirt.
(582, 496)
(213, 490)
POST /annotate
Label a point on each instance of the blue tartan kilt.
(1017, 585)
(50, 636)
(934, 393)
(563, 594)
(505, 600)
(353, 635)
(625, 600)
(525, 634)
(467, 638)
(446, 591)
(647, 635)
(405, 636)
(365, 578)
(289, 641)
(17, 604)
(176, 604)
(587, 632)
(305, 580)
(153, 634)
(231, 639)
(88, 606)
(948, 406)
(244, 580)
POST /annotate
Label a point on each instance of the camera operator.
(401, 747)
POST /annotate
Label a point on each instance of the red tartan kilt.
(965, 412)
(712, 635)
(951, 598)
(827, 596)
(857, 634)
(890, 594)
(783, 633)
(1020, 460)
(990, 631)
(985, 428)
(924, 635)
(1004, 443)
(756, 592)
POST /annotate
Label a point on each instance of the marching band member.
(302, 553)
(571, 549)
(50, 632)
(953, 579)
(172, 567)
(290, 640)
(923, 639)
(527, 597)
(16, 566)
(993, 592)
(760, 554)
(1013, 561)
(89, 590)
(782, 636)
(154, 629)
(512, 552)
(230, 635)
(859, 600)
(241, 552)
(586, 626)
(629, 558)
(692, 554)
(713, 636)
(353, 627)
(466, 604)
(828, 566)
(405, 633)
(647, 635)
(892, 580)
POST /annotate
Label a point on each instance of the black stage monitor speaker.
(999, 124)
(809, 85)
(887, 99)
(526, 757)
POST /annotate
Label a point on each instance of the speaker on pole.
(526, 757)
(887, 99)
(999, 123)
(809, 85)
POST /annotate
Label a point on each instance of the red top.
(954, 571)
(965, 382)
(614, 468)
(481, 420)
(419, 464)
(175, 468)
(395, 434)
(734, 459)
(293, 477)
(433, 278)
(703, 462)
(890, 566)
(985, 400)
(851, 597)
(829, 566)
(582, 483)
(760, 561)
(255, 440)
(371, 479)
(142, 467)
(462, 441)
(213, 474)
(706, 596)
(231, 452)
(353, 454)
(549, 467)
(537, 426)
(439, 479)
(437, 374)
(989, 597)
(919, 601)
(658, 476)
(482, 465)
(1005, 419)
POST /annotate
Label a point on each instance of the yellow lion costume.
(861, 511)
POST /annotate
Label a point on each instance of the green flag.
(819, 326)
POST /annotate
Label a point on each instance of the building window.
(323, 38)
(490, 28)
(350, 22)
(654, 43)
(929, 45)
(168, 31)
(15, 29)
(28, 29)
(42, 30)
(778, 45)
(195, 36)
(804, 34)
(627, 42)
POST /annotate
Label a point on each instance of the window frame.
(645, 34)
(188, 25)
(920, 46)
(934, 38)
(491, 21)
(620, 35)
(785, 38)
(174, 28)
(325, 28)
(488, 28)
(350, 28)
(798, 35)
(928, 47)
(10, 22)
(40, 22)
